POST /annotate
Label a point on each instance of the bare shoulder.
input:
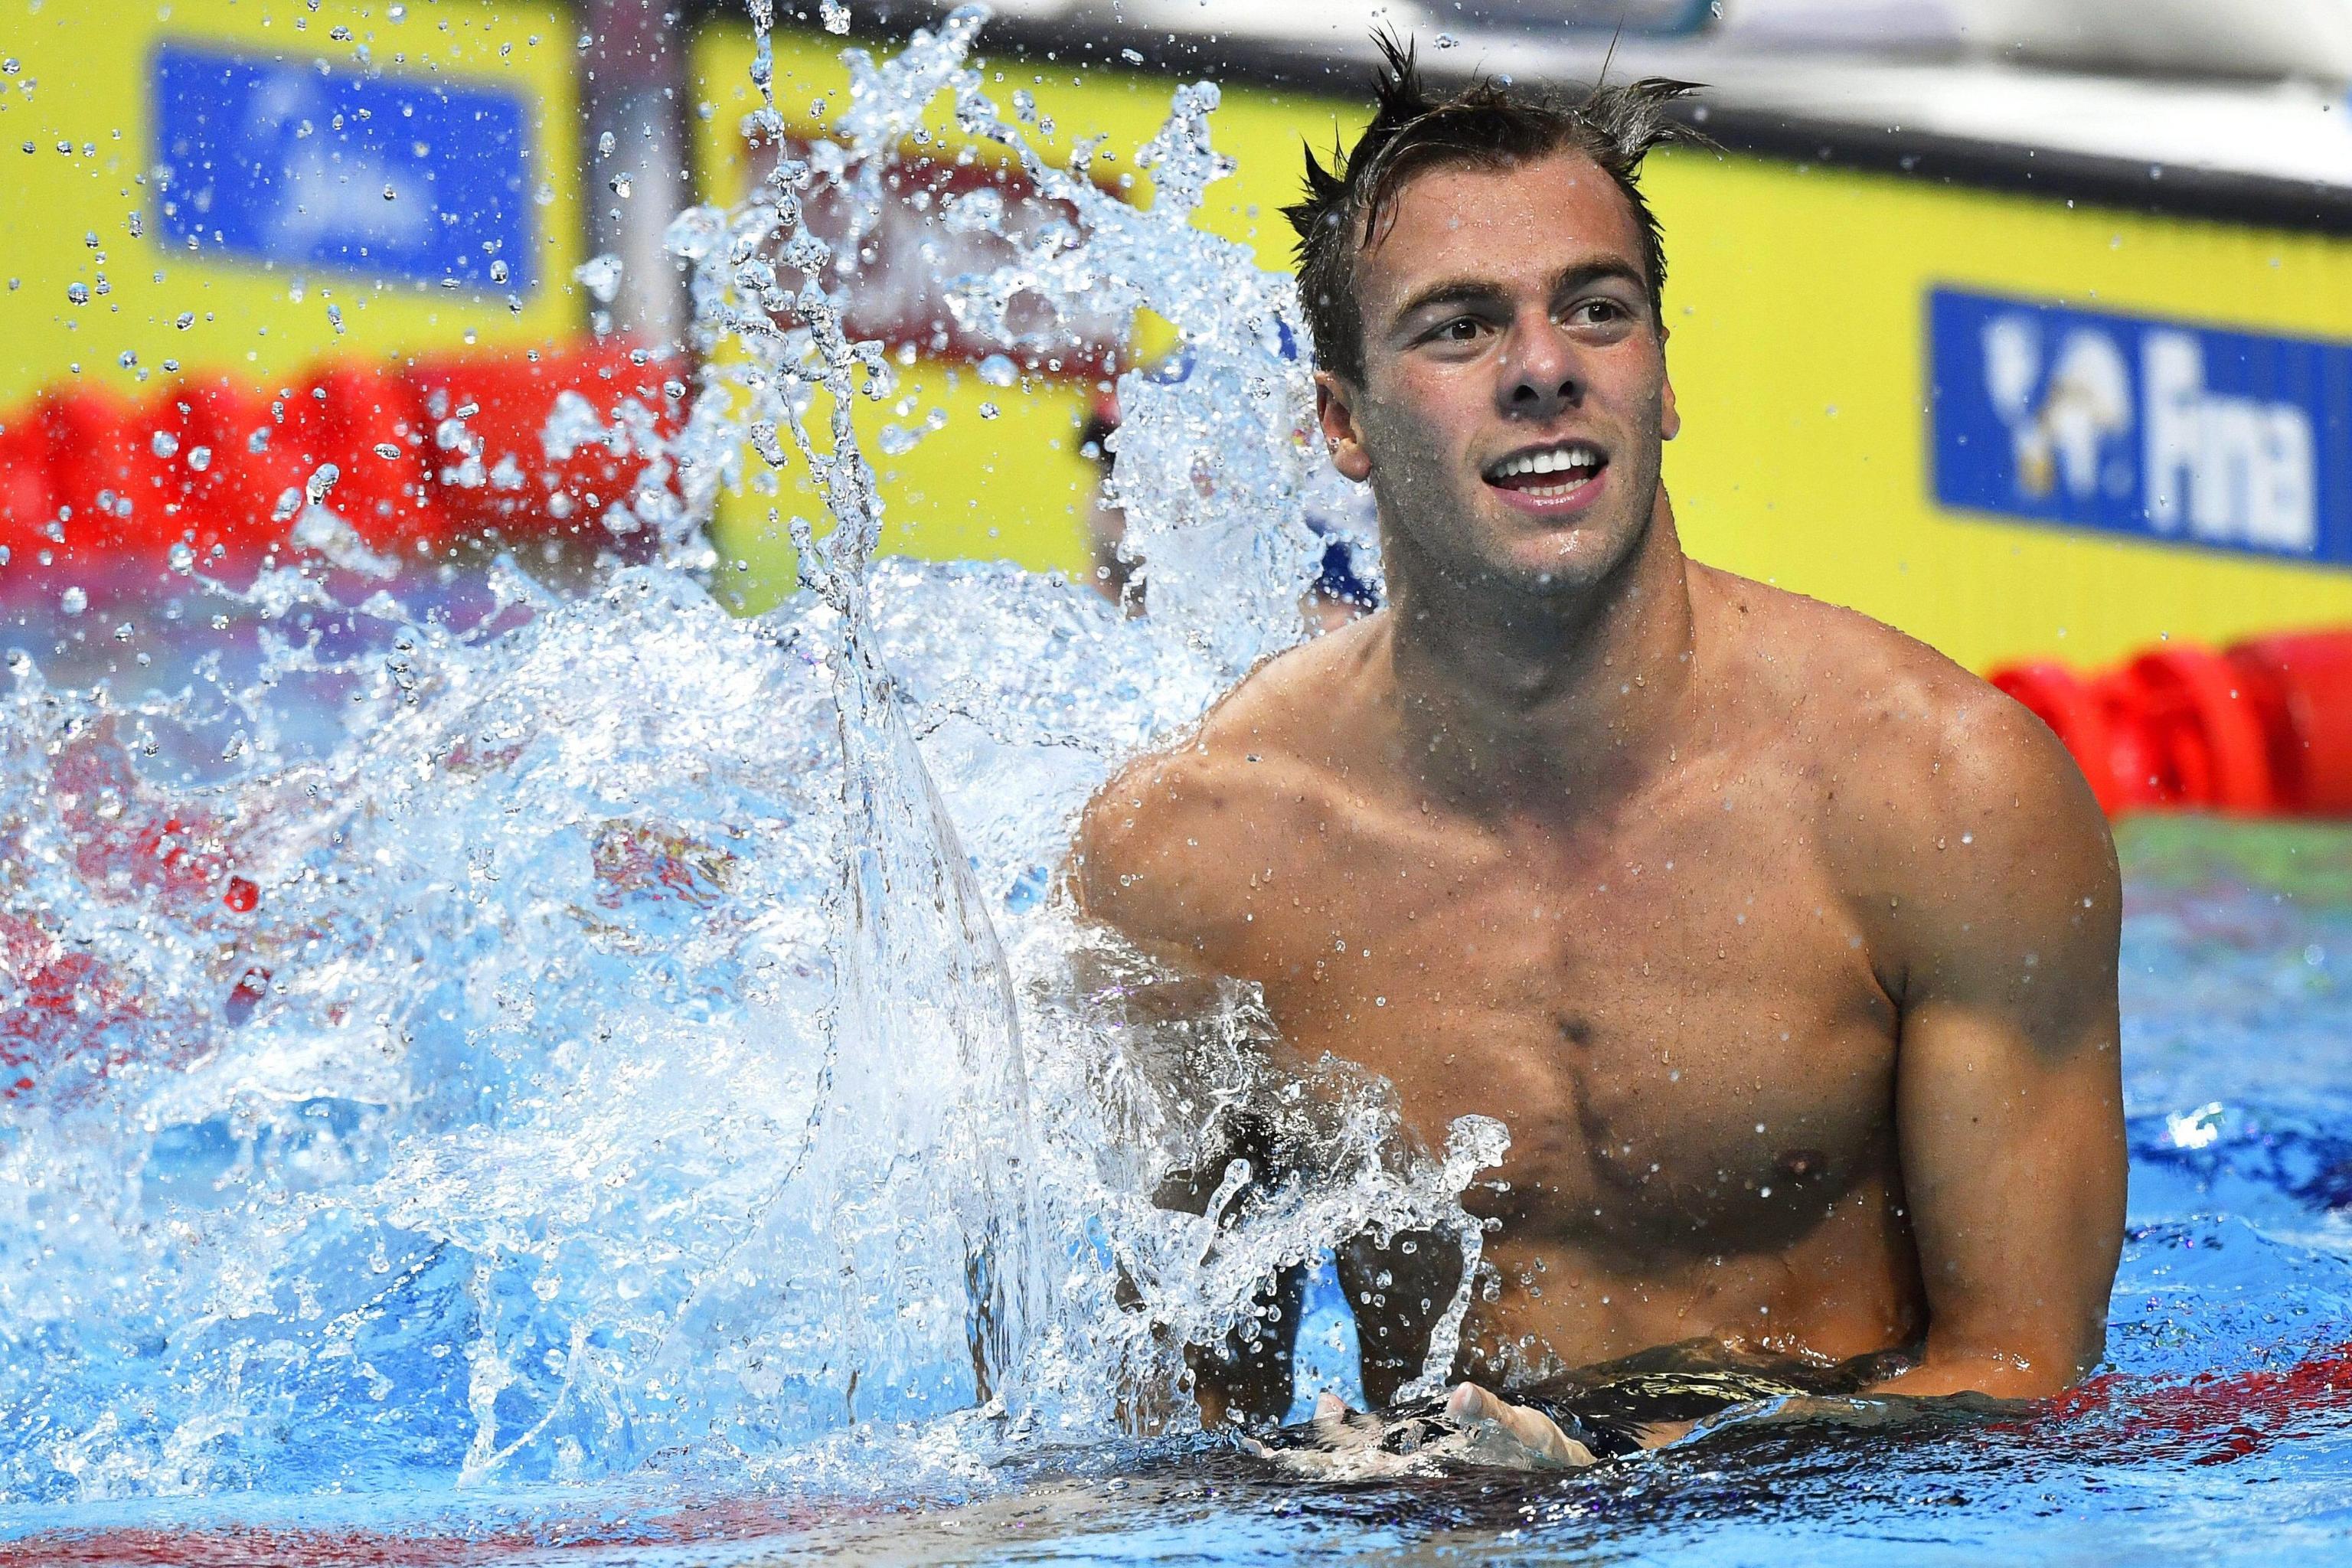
(1937, 797)
(1158, 847)
(1899, 731)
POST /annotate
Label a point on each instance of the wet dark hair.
(1488, 124)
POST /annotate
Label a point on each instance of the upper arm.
(1130, 867)
(2008, 1084)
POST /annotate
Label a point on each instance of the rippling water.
(490, 1071)
(2221, 1431)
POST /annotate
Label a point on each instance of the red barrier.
(232, 484)
(2261, 728)
(371, 425)
(109, 486)
(491, 444)
(500, 463)
(26, 500)
(2302, 687)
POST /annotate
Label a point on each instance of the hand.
(1475, 1427)
(1512, 1435)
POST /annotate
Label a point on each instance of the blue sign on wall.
(388, 176)
(2159, 429)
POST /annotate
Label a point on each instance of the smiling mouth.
(1547, 473)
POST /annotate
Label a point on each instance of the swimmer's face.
(1515, 390)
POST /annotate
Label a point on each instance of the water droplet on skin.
(199, 458)
(163, 444)
(1447, 40)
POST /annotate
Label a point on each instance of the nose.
(1542, 376)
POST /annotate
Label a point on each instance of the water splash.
(478, 1034)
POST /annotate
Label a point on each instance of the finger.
(1541, 1437)
(1470, 1403)
(1544, 1444)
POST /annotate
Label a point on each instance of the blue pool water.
(2221, 1432)
(503, 1075)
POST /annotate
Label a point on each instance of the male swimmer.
(1785, 948)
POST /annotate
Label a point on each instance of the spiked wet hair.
(1486, 125)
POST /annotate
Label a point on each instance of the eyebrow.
(1477, 291)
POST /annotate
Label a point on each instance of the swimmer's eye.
(1597, 313)
(1459, 330)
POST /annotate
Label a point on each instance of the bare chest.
(1679, 1023)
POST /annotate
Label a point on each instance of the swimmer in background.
(1785, 948)
(1340, 593)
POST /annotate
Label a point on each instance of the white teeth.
(1551, 460)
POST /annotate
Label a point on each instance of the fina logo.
(2213, 467)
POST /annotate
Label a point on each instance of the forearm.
(1996, 1374)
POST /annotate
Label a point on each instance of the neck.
(1515, 699)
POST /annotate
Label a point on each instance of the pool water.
(2221, 1431)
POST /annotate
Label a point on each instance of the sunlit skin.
(1785, 948)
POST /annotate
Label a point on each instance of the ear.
(1670, 420)
(1336, 413)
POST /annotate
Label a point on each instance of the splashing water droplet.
(600, 275)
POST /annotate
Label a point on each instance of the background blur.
(2024, 324)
